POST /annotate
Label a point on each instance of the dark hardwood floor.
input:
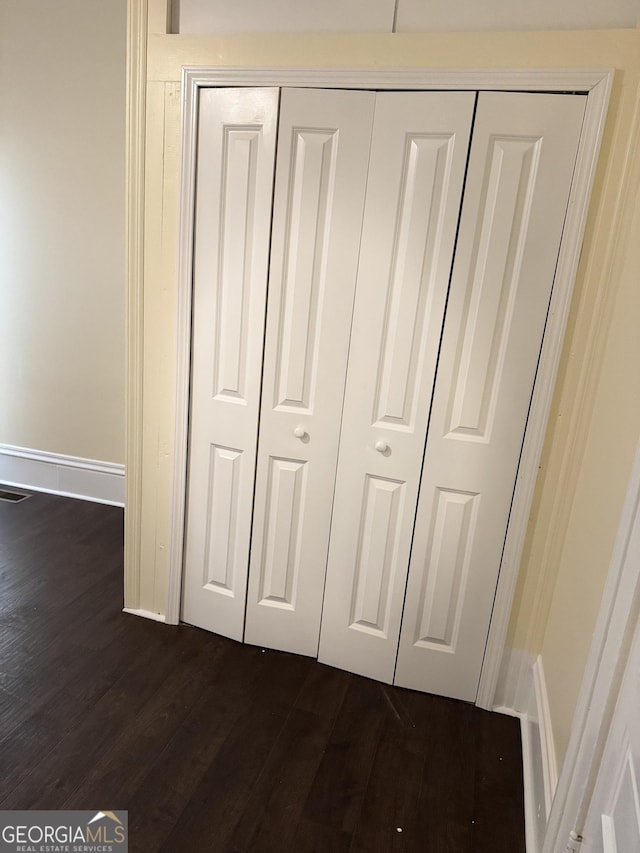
(216, 746)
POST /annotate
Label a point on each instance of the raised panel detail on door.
(230, 343)
(417, 164)
(236, 152)
(280, 557)
(519, 177)
(323, 146)
(376, 555)
(453, 522)
(312, 182)
(222, 518)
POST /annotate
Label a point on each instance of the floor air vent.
(12, 497)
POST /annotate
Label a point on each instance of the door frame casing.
(596, 85)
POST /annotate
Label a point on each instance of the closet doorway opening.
(384, 496)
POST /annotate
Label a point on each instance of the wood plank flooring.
(216, 746)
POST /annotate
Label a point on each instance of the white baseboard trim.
(533, 844)
(539, 766)
(145, 614)
(547, 745)
(508, 712)
(69, 476)
(531, 817)
(514, 680)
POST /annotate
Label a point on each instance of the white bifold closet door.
(519, 175)
(236, 151)
(277, 501)
(321, 178)
(356, 426)
(416, 172)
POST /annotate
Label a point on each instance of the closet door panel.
(323, 147)
(235, 156)
(417, 166)
(520, 170)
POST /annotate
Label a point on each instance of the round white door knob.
(381, 446)
(299, 432)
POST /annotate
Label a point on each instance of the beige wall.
(611, 440)
(62, 119)
(593, 428)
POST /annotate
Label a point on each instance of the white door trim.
(596, 83)
(612, 638)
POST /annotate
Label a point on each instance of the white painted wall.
(62, 121)
(402, 16)
(471, 15)
(282, 16)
